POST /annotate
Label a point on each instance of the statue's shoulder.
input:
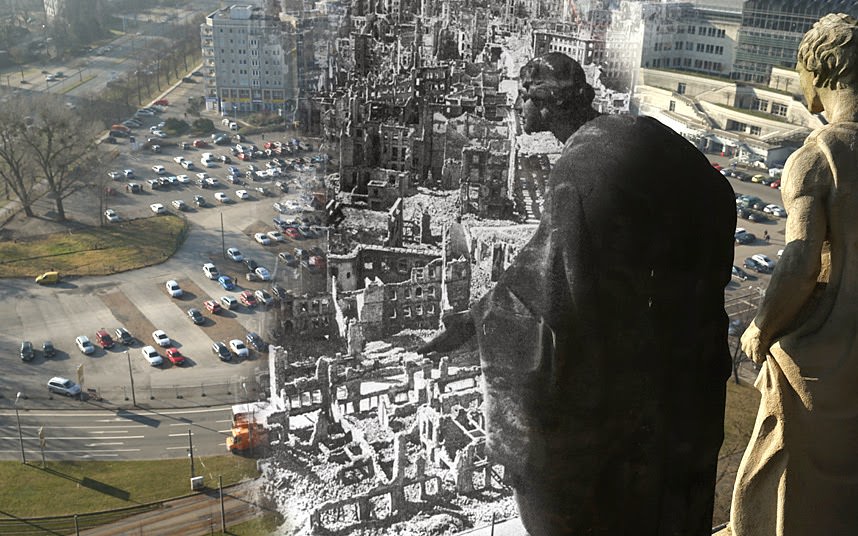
(833, 133)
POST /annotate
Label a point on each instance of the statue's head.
(827, 56)
(551, 87)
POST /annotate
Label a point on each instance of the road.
(115, 435)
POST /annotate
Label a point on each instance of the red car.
(175, 356)
(716, 166)
(247, 298)
(292, 233)
(775, 183)
(162, 102)
(103, 338)
(245, 156)
(199, 144)
(212, 306)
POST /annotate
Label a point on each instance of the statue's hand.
(755, 345)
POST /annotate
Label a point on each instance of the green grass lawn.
(95, 250)
(64, 488)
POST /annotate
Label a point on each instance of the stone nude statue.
(799, 474)
(604, 345)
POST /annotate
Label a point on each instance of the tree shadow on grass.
(94, 485)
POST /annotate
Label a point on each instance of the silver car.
(63, 386)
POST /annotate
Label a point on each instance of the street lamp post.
(20, 435)
(191, 451)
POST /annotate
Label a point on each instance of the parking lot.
(138, 300)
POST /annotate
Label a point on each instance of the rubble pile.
(390, 453)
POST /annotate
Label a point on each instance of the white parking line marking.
(105, 444)
(180, 435)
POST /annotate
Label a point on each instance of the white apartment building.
(250, 60)
(675, 35)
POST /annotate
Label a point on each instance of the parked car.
(238, 348)
(262, 238)
(247, 298)
(775, 210)
(242, 194)
(234, 254)
(199, 201)
(745, 237)
(104, 339)
(220, 196)
(740, 274)
(212, 306)
(251, 264)
(220, 349)
(228, 302)
(262, 273)
(175, 356)
(48, 349)
(226, 282)
(111, 215)
(158, 208)
(196, 316)
(276, 235)
(178, 204)
(278, 292)
(84, 345)
(151, 355)
(160, 337)
(752, 264)
(123, 336)
(173, 289)
(210, 271)
(63, 386)
(253, 339)
(765, 260)
(263, 297)
(27, 353)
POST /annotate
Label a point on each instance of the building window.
(418, 310)
(680, 88)
(406, 311)
(367, 266)
(407, 293)
(779, 109)
(760, 104)
(418, 292)
(672, 106)
(393, 313)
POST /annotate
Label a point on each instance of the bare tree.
(62, 145)
(16, 168)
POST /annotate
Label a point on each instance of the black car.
(756, 266)
(225, 159)
(123, 336)
(199, 201)
(196, 316)
(288, 259)
(740, 274)
(27, 353)
(278, 292)
(48, 349)
(256, 341)
(251, 264)
(219, 349)
(745, 238)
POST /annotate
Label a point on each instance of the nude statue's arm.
(805, 182)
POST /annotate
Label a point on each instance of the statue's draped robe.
(799, 474)
(604, 345)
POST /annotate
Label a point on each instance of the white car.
(84, 345)
(115, 175)
(262, 238)
(158, 208)
(129, 173)
(174, 289)
(242, 194)
(263, 297)
(220, 196)
(775, 210)
(208, 163)
(763, 259)
(202, 175)
(159, 133)
(160, 336)
(276, 235)
(152, 356)
(234, 254)
(212, 181)
(111, 215)
(178, 159)
(184, 179)
(210, 270)
(238, 348)
(187, 165)
(292, 205)
(159, 169)
(178, 204)
(262, 273)
(63, 386)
